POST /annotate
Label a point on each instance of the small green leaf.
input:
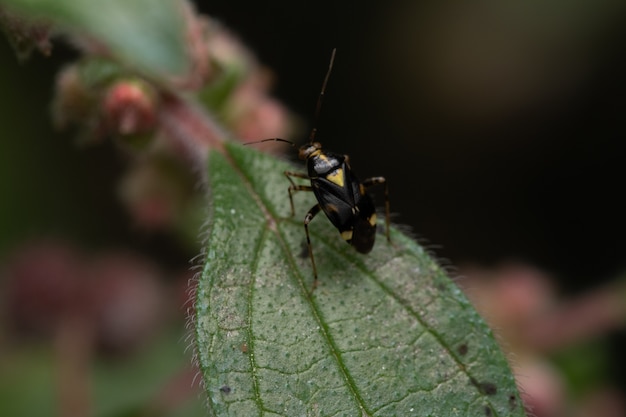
(387, 334)
(146, 34)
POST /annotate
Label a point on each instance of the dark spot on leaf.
(488, 412)
(487, 388)
(463, 349)
(226, 389)
(304, 250)
(512, 402)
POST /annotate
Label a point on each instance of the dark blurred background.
(499, 127)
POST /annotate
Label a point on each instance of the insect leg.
(295, 187)
(309, 216)
(375, 181)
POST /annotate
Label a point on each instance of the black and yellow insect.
(339, 192)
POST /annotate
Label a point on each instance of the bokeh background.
(500, 128)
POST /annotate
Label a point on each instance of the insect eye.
(306, 151)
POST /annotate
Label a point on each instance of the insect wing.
(364, 229)
(335, 202)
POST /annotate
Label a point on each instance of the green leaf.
(146, 34)
(387, 334)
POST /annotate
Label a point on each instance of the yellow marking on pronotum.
(372, 219)
(346, 235)
(336, 177)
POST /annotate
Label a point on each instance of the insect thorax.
(322, 164)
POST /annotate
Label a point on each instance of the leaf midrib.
(406, 305)
(270, 225)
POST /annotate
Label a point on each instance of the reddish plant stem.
(191, 129)
(582, 319)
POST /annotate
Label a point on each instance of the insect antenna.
(318, 107)
(270, 140)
